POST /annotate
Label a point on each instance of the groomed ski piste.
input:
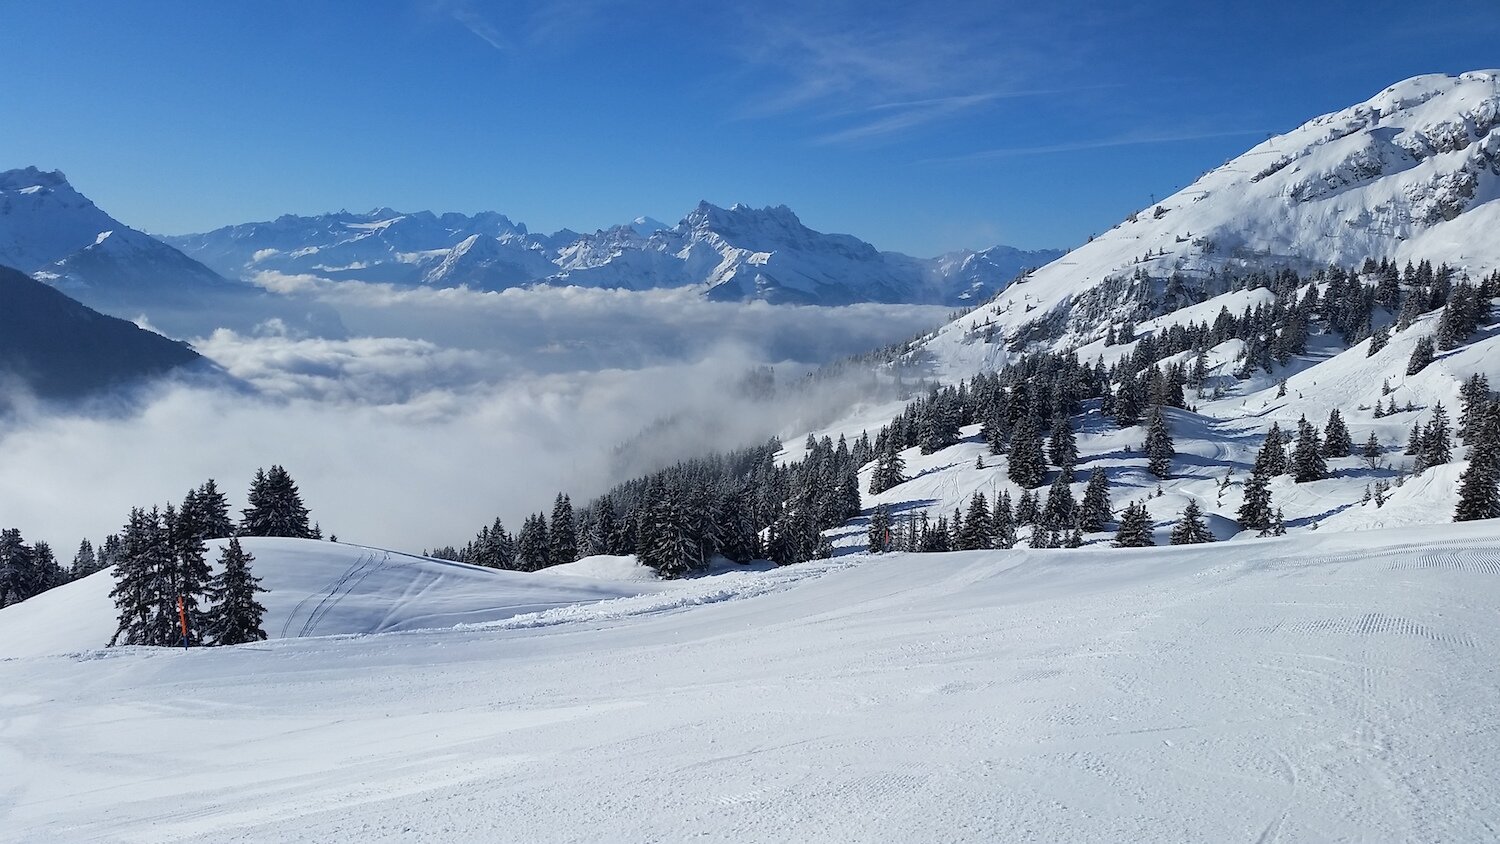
(1328, 686)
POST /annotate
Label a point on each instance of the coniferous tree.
(211, 511)
(889, 468)
(275, 507)
(1372, 451)
(1479, 485)
(19, 578)
(1475, 399)
(1135, 527)
(85, 561)
(1159, 447)
(1336, 441)
(236, 616)
(1190, 529)
(1059, 511)
(1093, 513)
(1308, 463)
(1255, 512)
(1437, 445)
(879, 535)
(1273, 452)
(1414, 440)
(1062, 446)
(977, 531)
(562, 536)
(533, 547)
(1003, 522)
(1027, 466)
(1028, 508)
(1421, 355)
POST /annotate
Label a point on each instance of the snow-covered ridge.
(1411, 174)
(731, 253)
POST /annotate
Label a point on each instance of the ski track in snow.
(1328, 686)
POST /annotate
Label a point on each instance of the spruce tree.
(1159, 448)
(1190, 529)
(1062, 447)
(85, 561)
(1058, 512)
(1372, 451)
(1336, 441)
(1308, 463)
(1436, 445)
(1273, 452)
(879, 534)
(1475, 396)
(1003, 522)
(562, 536)
(275, 507)
(1255, 512)
(1421, 355)
(1479, 485)
(19, 578)
(1027, 466)
(889, 467)
(235, 617)
(977, 532)
(1135, 527)
(1093, 513)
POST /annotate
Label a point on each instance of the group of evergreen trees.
(740, 505)
(162, 576)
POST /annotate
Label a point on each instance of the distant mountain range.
(61, 349)
(732, 254)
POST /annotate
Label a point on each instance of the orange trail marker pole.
(182, 620)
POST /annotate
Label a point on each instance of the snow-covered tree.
(1027, 465)
(1190, 529)
(1093, 512)
(1336, 440)
(1159, 447)
(879, 533)
(562, 537)
(1308, 462)
(1062, 446)
(1421, 355)
(235, 616)
(977, 532)
(1135, 527)
(1059, 511)
(275, 507)
(1479, 485)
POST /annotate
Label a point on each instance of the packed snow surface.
(1327, 687)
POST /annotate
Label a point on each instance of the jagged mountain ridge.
(51, 231)
(1411, 174)
(738, 253)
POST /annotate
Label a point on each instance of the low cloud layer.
(444, 409)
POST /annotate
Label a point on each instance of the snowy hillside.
(1412, 174)
(738, 253)
(328, 589)
(52, 232)
(1332, 687)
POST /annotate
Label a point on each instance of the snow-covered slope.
(51, 231)
(326, 589)
(734, 253)
(1338, 687)
(1411, 174)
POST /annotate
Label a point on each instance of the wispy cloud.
(515, 27)
(1142, 139)
(876, 74)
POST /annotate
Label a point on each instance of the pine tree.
(1437, 445)
(1255, 512)
(1273, 452)
(878, 536)
(1058, 512)
(889, 467)
(562, 535)
(275, 507)
(1308, 463)
(235, 617)
(1027, 466)
(1003, 522)
(1372, 451)
(1062, 447)
(85, 561)
(19, 578)
(1475, 398)
(1421, 355)
(1190, 529)
(1159, 448)
(976, 532)
(533, 547)
(1479, 485)
(1093, 513)
(1135, 527)
(1336, 441)
(212, 511)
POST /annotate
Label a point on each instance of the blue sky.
(919, 127)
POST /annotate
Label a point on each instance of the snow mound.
(324, 589)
